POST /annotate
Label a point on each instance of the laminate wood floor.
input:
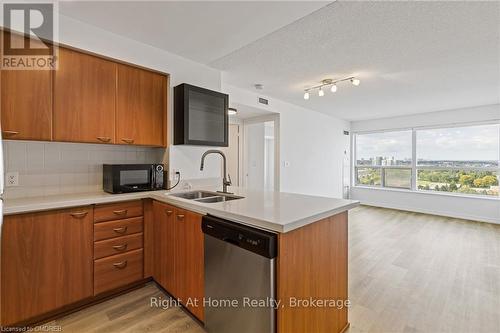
(412, 272)
(408, 273)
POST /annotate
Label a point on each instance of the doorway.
(261, 153)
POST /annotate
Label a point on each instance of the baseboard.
(433, 212)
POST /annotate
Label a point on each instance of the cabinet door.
(26, 104)
(190, 265)
(46, 262)
(84, 98)
(141, 110)
(165, 246)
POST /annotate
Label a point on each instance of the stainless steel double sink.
(206, 196)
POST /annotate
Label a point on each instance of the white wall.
(312, 143)
(479, 209)
(90, 38)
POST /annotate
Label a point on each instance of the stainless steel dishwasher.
(239, 269)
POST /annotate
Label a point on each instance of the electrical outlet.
(12, 179)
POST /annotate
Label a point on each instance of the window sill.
(420, 192)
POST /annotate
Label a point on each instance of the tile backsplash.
(50, 168)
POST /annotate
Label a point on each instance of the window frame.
(414, 165)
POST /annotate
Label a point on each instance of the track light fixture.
(333, 86)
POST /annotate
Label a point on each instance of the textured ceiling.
(199, 30)
(411, 57)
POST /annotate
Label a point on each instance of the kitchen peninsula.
(311, 263)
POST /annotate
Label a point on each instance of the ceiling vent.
(263, 101)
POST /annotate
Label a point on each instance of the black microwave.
(125, 178)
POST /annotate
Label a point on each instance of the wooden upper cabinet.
(26, 104)
(47, 262)
(141, 107)
(84, 98)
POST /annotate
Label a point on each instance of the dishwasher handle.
(230, 240)
(258, 241)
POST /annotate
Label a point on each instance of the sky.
(458, 143)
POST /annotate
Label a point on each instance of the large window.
(459, 159)
(384, 159)
(463, 160)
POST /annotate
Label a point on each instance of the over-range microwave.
(125, 178)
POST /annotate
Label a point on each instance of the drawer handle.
(103, 138)
(120, 212)
(169, 212)
(128, 140)
(10, 133)
(120, 247)
(79, 215)
(120, 265)
(120, 230)
(180, 217)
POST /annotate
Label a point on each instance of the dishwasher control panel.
(251, 239)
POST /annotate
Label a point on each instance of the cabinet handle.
(120, 230)
(10, 133)
(121, 264)
(120, 247)
(120, 212)
(169, 212)
(128, 140)
(180, 217)
(79, 215)
(103, 138)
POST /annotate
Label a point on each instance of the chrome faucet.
(225, 181)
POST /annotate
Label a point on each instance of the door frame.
(256, 120)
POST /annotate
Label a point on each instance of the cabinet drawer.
(118, 228)
(120, 210)
(117, 245)
(117, 270)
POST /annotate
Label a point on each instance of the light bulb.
(306, 95)
(333, 88)
(355, 82)
(321, 92)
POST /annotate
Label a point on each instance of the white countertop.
(274, 211)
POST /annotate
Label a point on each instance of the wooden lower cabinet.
(46, 262)
(179, 243)
(118, 270)
(312, 263)
(118, 245)
(190, 260)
